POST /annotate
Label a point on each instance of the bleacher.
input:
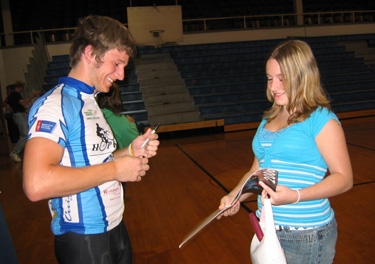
(226, 81)
(235, 90)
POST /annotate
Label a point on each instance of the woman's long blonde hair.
(301, 81)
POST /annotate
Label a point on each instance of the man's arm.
(44, 177)
(27, 101)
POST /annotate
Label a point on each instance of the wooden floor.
(185, 183)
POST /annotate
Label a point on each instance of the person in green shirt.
(123, 127)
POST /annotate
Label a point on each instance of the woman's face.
(275, 82)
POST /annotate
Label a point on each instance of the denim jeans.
(20, 119)
(310, 246)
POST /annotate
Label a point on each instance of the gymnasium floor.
(184, 185)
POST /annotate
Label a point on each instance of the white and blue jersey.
(69, 115)
(294, 154)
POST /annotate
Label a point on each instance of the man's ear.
(88, 54)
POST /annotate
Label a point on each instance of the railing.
(30, 37)
(219, 24)
(278, 20)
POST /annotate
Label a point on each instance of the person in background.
(10, 89)
(13, 132)
(18, 106)
(123, 127)
(71, 157)
(303, 140)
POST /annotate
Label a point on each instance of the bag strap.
(267, 207)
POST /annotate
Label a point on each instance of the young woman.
(123, 127)
(302, 139)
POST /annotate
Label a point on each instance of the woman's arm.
(227, 199)
(332, 146)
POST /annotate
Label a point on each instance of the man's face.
(112, 68)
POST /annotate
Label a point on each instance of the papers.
(268, 176)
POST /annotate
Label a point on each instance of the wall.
(13, 65)
(14, 61)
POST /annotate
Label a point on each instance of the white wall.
(13, 64)
(14, 61)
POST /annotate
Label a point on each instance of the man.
(18, 106)
(70, 163)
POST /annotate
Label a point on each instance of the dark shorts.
(112, 247)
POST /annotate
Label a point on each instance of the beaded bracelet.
(299, 197)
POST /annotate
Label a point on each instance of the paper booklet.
(268, 176)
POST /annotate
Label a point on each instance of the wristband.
(299, 197)
(130, 150)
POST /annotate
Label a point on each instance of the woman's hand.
(225, 202)
(283, 194)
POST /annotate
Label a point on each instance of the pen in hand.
(147, 139)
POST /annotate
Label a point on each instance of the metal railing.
(278, 20)
(219, 24)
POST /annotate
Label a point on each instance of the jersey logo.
(45, 126)
(107, 139)
(91, 114)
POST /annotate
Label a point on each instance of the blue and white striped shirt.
(293, 152)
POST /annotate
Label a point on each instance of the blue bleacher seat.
(227, 80)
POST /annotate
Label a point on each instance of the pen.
(147, 140)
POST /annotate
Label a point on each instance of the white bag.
(269, 250)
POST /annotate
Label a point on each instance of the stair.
(166, 98)
(361, 48)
